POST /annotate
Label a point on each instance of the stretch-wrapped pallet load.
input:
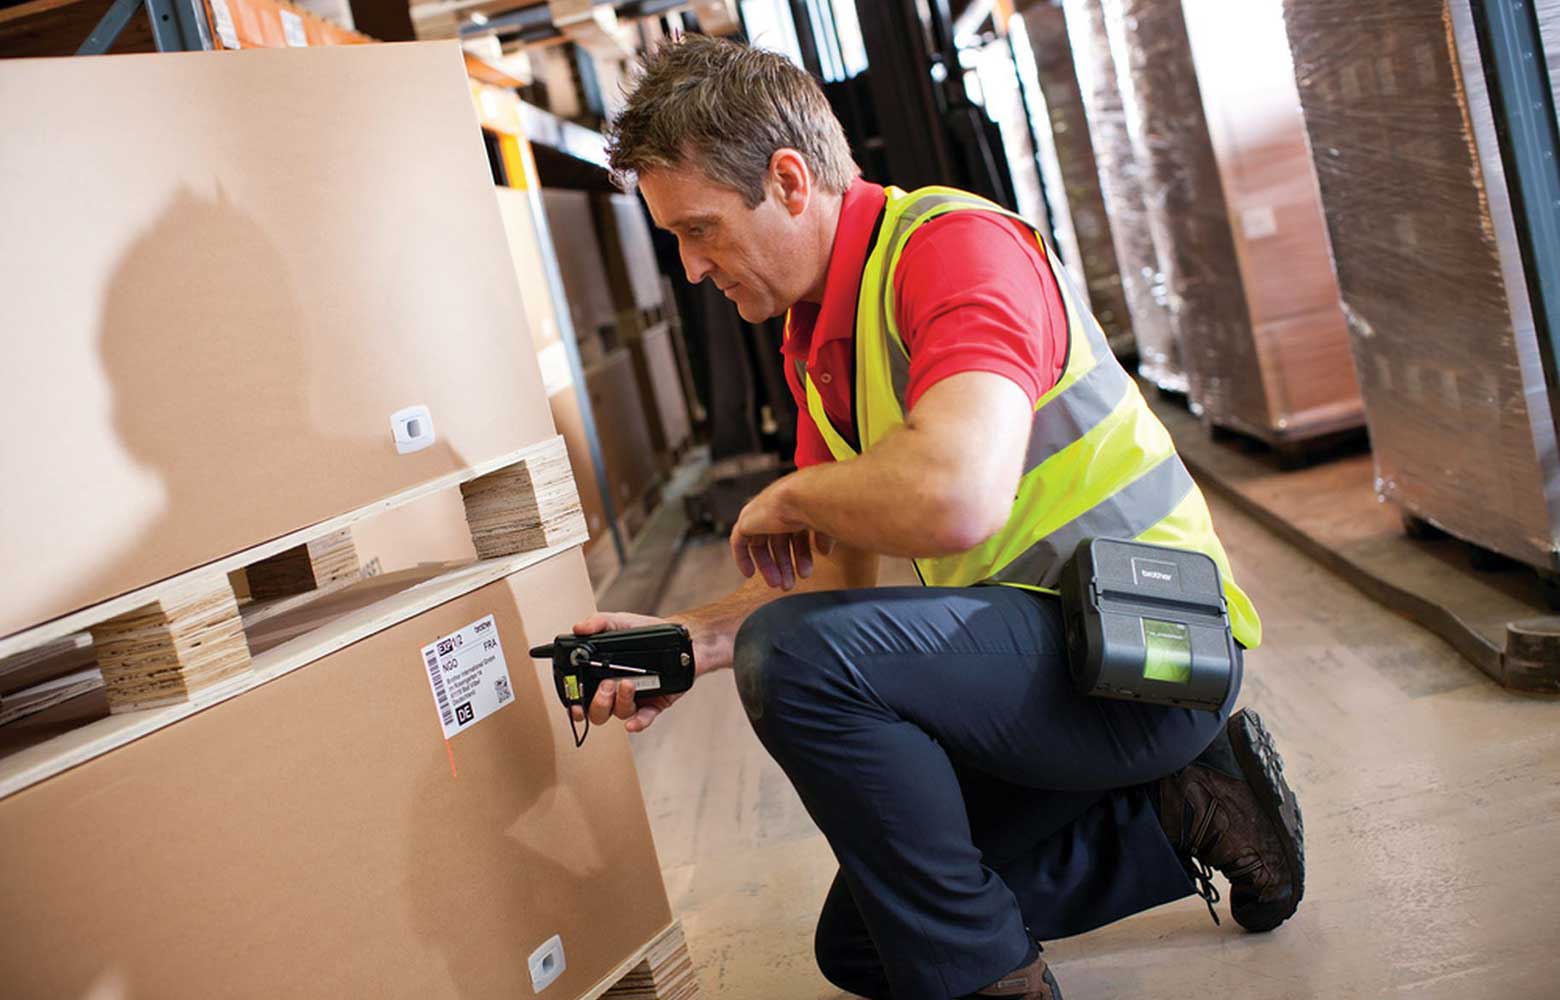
(1549, 35)
(1186, 212)
(1301, 343)
(1121, 187)
(1423, 239)
(1072, 180)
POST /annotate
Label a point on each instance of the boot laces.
(1202, 884)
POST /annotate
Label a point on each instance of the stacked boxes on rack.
(373, 769)
(1432, 280)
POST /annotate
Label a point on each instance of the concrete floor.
(1431, 797)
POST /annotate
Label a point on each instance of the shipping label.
(468, 675)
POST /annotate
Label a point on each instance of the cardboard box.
(203, 352)
(316, 837)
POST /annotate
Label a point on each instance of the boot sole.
(1264, 772)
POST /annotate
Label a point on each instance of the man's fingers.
(624, 708)
(823, 543)
(601, 705)
(803, 554)
(739, 552)
(780, 551)
(765, 560)
(642, 718)
(592, 625)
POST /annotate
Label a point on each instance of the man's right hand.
(616, 698)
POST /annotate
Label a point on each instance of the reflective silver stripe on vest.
(1076, 410)
(1127, 513)
(1070, 414)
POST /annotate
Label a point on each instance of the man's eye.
(697, 233)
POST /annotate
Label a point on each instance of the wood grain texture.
(190, 639)
(529, 505)
(317, 563)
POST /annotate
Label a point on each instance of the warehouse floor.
(1432, 804)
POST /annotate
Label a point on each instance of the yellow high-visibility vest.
(1099, 464)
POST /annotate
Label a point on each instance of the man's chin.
(754, 312)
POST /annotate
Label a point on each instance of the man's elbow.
(962, 521)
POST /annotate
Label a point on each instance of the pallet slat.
(85, 618)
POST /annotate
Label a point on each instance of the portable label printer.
(1148, 623)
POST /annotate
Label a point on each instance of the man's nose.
(697, 268)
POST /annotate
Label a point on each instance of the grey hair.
(726, 108)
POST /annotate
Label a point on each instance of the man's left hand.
(769, 540)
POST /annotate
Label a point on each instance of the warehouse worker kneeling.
(960, 407)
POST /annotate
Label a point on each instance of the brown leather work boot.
(1231, 809)
(1032, 982)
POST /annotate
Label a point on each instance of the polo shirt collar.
(814, 324)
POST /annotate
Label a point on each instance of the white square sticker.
(292, 30)
(468, 675)
(227, 32)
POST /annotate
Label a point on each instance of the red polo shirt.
(973, 292)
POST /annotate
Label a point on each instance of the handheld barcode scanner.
(1147, 623)
(655, 659)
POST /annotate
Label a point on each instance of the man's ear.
(790, 180)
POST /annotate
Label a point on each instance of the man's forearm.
(714, 626)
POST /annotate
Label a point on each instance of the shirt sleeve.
(974, 292)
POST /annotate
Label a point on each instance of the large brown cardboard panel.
(223, 273)
(655, 369)
(314, 838)
(580, 260)
(626, 448)
(1301, 354)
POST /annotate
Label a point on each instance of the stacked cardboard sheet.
(1072, 177)
(1186, 210)
(1432, 283)
(1299, 354)
(1121, 186)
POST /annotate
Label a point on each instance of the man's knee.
(845, 954)
(791, 621)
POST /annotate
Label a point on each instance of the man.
(958, 407)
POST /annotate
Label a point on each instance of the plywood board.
(206, 333)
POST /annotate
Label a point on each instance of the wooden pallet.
(180, 645)
(662, 970)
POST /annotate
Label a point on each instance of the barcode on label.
(438, 687)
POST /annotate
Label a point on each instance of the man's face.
(756, 256)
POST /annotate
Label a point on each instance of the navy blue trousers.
(972, 798)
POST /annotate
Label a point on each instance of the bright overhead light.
(478, 18)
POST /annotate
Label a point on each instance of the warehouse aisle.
(1432, 802)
